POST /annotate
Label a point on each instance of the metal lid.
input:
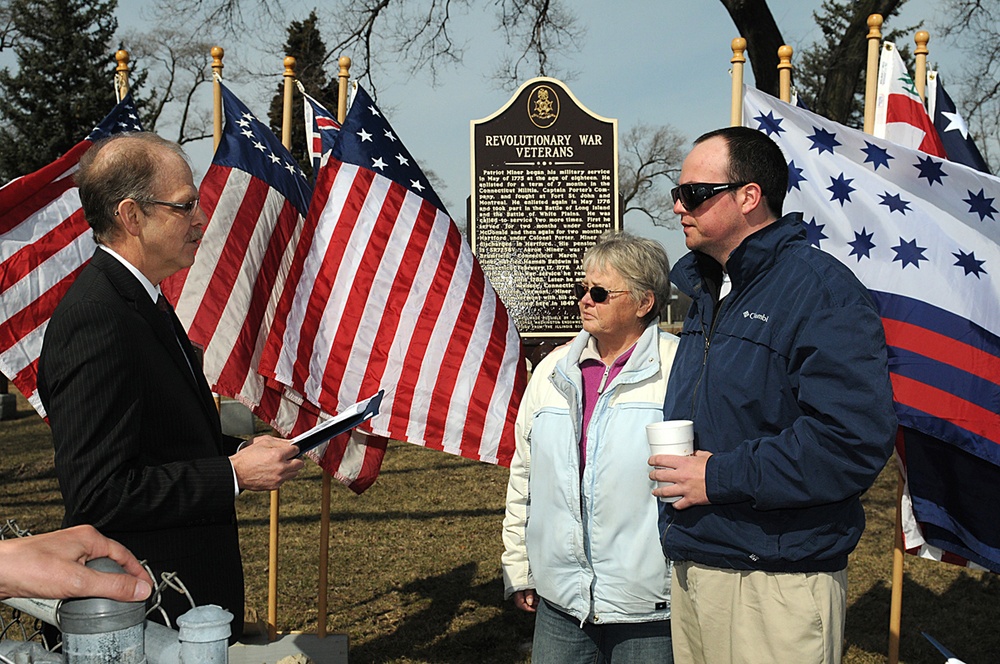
(94, 615)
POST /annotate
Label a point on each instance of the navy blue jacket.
(788, 387)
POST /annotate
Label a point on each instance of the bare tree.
(649, 161)
(229, 17)
(415, 33)
(178, 65)
(537, 30)
(8, 33)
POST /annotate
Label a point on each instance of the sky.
(651, 61)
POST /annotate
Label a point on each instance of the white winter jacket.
(589, 546)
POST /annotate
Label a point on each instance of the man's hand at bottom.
(687, 474)
(266, 463)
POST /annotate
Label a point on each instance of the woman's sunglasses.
(597, 293)
(693, 194)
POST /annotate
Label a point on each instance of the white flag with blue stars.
(923, 235)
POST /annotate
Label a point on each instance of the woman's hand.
(526, 600)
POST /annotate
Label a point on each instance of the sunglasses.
(187, 207)
(693, 194)
(597, 293)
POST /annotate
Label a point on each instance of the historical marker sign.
(544, 188)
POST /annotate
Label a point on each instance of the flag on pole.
(256, 199)
(44, 243)
(900, 115)
(951, 126)
(321, 130)
(389, 296)
(923, 235)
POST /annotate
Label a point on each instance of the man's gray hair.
(642, 262)
(115, 168)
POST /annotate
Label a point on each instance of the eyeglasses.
(597, 293)
(693, 194)
(187, 208)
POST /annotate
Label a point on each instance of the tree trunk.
(849, 58)
(755, 23)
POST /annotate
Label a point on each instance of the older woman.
(580, 536)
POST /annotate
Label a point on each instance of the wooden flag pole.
(896, 594)
(920, 70)
(121, 74)
(217, 54)
(343, 76)
(896, 598)
(272, 558)
(785, 73)
(871, 72)
(739, 45)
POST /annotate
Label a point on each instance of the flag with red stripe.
(900, 115)
(923, 234)
(387, 295)
(256, 199)
(44, 243)
(321, 130)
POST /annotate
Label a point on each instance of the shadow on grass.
(433, 632)
(373, 517)
(20, 414)
(954, 617)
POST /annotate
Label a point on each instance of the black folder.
(346, 420)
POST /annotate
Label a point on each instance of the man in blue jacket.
(782, 367)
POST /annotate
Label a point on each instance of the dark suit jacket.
(139, 451)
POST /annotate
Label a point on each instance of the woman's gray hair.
(642, 263)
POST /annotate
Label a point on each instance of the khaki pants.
(723, 616)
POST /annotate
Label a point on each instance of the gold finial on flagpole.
(343, 76)
(785, 73)
(920, 70)
(871, 72)
(739, 46)
(121, 73)
(286, 122)
(217, 53)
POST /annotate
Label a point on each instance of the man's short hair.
(754, 157)
(115, 168)
(641, 262)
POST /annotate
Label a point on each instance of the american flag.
(390, 296)
(951, 126)
(900, 115)
(923, 234)
(44, 243)
(256, 198)
(321, 130)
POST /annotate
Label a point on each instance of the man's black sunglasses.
(693, 194)
(186, 207)
(597, 293)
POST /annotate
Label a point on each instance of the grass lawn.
(414, 562)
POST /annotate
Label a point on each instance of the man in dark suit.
(139, 450)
